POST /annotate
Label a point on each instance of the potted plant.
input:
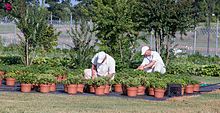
(117, 84)
(196, 85)
(108, 85)
(132, 84)
(26, 81)
(80, 84)
(160, 87)
(90, 83)
(152, 81)
(99, 84)
(10, 78)
(71, 83)
(65, 83)
(182, 82)
(44, 80)
(141, 89)
(1, 77)
(189, 86)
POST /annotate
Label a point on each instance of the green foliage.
(9, 60)
(116, 29)
(83, 40)
(90, 82)
(74, 80)
(207, 70)
(53, 62)
(11, 75)
(29, 78)
(132, 82)
(117, 79)
(38, 35)
(160, 84)
(99, 81)
(45, 79)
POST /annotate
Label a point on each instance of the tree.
(37, 34)
(82, 49)
(115, 28)
(165, 18)
(60, 10)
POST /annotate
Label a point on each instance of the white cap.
(144, 49)
(101, 56)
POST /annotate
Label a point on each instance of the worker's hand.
(94, 74)
(110, 75)
(140, 68)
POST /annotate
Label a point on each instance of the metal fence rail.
(194, 41)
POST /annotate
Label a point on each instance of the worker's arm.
(150, 65)
(93, 71)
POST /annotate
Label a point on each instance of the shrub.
(45, 78)
(132, 82)
(99, 81)
(27, 78)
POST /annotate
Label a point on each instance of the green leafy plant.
(45, 78)
(195, 82)
(74, 80)
(160, 84)
(99, 81)
(27, 78)
(117, 80)
(11, 75)
(132, 82)
(90, 82)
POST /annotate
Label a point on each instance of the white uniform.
(103, 69)
(158, 66)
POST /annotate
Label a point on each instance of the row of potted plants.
(129, 82)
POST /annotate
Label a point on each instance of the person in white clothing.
(152, 61)
(102, 65)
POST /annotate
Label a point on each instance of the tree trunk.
(26, 52)
(120, 47)
(167, 50)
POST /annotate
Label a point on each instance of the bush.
(132, 82)
(45, 79)
(27, 78)
(10, 60)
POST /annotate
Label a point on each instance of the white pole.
(71, 20)
(216, 41)
(15, 32)
(151, 40)
(194, 42)
(51, 18)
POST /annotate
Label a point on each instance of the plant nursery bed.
(60, 90)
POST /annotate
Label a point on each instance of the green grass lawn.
(208, 80)
(50, 103)
(12, 102)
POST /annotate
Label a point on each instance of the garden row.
(130, 82)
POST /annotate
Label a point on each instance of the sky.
(74, 2)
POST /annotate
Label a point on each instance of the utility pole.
(216, 40)
(209, 27)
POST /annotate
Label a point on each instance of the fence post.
(151, 40)
(194, 42)
(216, 41)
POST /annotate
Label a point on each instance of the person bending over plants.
(102, 65)
(152, 61)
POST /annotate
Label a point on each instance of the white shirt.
(105, 68)
(155, 56)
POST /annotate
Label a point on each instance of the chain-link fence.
(194, 41)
